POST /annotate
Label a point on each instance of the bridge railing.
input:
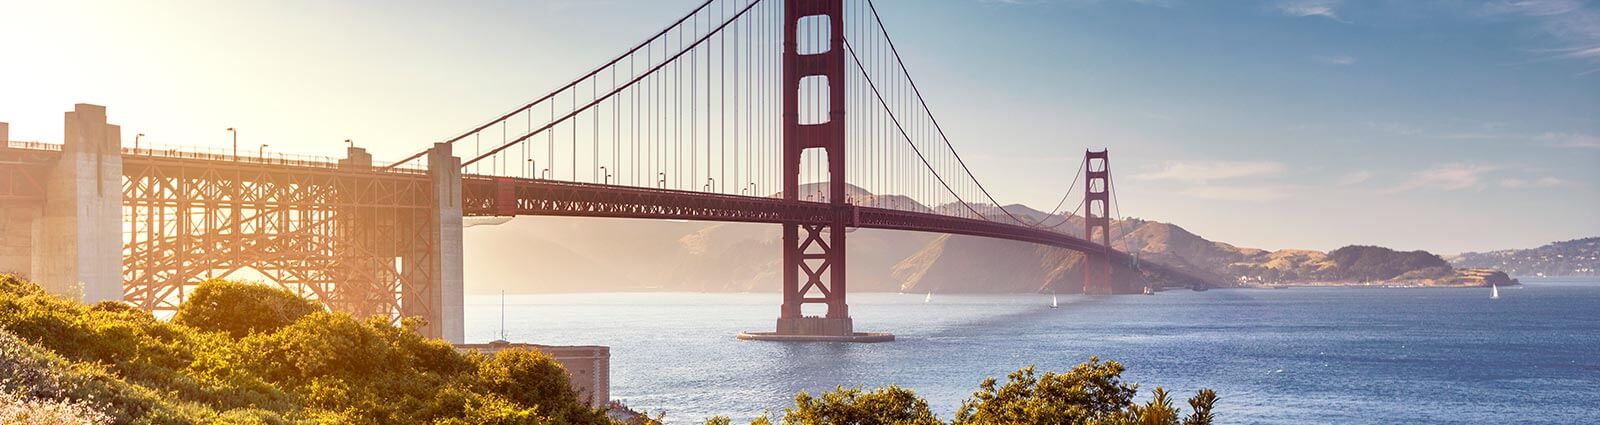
(39, 146)
(218, 154)
(214, 154)
(264, 158)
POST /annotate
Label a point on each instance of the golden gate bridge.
(760, 111)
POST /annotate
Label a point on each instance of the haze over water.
(1302, 355)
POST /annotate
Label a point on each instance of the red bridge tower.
(814, 255)
(1097, 275)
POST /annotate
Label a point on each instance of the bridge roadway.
(506, 196)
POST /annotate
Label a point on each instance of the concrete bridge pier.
(78, 238)
(402, 259)
(17, 213)
(444, 292)
(16, 233)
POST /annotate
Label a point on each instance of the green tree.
(1090, 393)
(889, 405)
(534, 379)
(240, 309)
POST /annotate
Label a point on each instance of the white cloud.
(1516, 183)
(1532, 7)
(1236, 193)
(1454, 176)
(1570, 140)
(1306, 8)
(1336, 60)
(1355, 177)
(1201, 171)
(1570, 23)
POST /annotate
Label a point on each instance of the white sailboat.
(1494, 292)
(1053, 303)
(929, 298)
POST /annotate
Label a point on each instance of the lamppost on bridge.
(607, 173)
(349, 144)
(263, 152)
(710, 183)
(533, 169)
(753, 189)
(136, 141)
(235, 142)
(662, 182)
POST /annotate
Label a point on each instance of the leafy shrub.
(887, 405)
(241, 309)
(1090, 393)
(289, 361)
(535, 379)
(16, 409)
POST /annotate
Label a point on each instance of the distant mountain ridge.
(1577, 257)
(564, 254)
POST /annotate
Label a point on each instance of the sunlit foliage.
(1092, 393)
(255, 355)
(241, 309)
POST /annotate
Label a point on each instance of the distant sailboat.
(1494, 292)
(929, 298)
(1053, 303)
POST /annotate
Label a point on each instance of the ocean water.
(1287, 356)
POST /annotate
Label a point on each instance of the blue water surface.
(1284, 356)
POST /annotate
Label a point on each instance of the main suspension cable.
(939, 129)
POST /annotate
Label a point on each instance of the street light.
(663, 180)
(136, 141)
(531, 167)
(263, 153)
(235, 142)
(710, 182)
(607, 173)
(349, 144)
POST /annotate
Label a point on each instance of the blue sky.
(1447, 125)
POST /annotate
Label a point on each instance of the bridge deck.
(503, 196)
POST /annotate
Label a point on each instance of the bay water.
(1274, 356)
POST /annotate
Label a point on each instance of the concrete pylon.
(78, 239)
(447, 269)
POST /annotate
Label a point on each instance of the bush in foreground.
(251, 354)
(1092, 393)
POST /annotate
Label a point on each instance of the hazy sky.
(1446, 125)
